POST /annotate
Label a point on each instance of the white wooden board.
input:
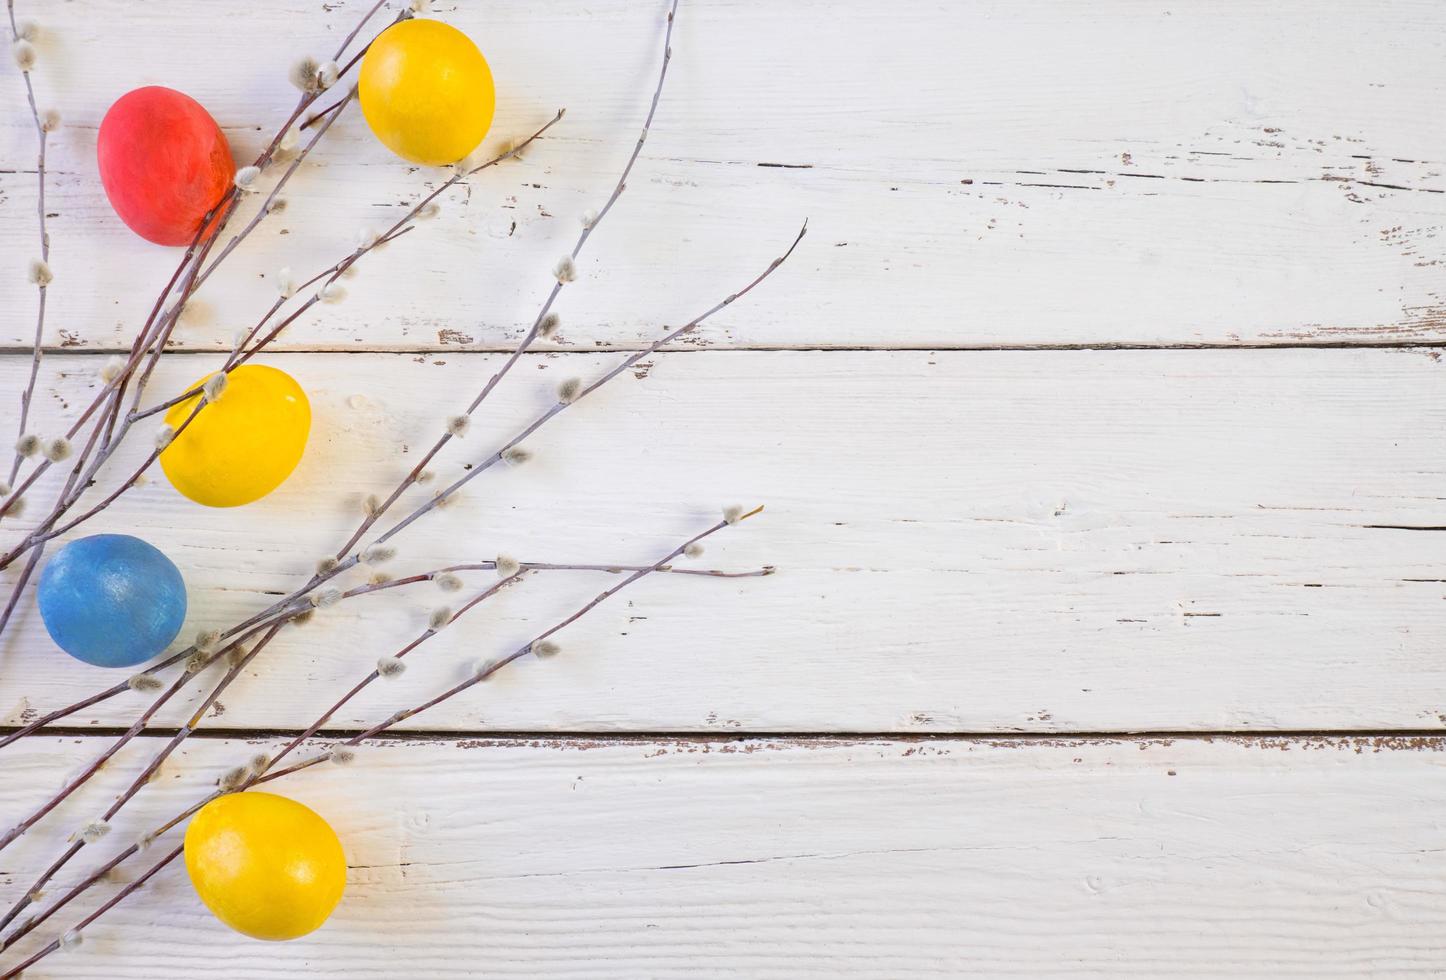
(967, 541)
(780, 859)
(992, 173)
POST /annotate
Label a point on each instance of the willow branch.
(152, 337)
(533, 332)
(28, 395)
(523, 568)
(267, 774)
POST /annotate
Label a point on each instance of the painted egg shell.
(163, 162)
(242, 446)
(266, 866)
(426, 92)
(111, 600)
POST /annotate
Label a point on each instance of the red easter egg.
(164, 163)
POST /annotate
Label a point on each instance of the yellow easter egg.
(426, 92)
(242, 446)
(266, 866)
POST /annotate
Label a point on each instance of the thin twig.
(28, 395)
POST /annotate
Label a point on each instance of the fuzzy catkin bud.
(566, 269)
(439, 618)
(303, 617)
(371, 505)
(733, 514)
(197, 662)
(516, 456)
(325, 598)
(39, 273)
(447, 582)
(379, 578)
(458, 425)
(259, 763)
(303, 74)
(545, 648)
(507, 566)
(24, 54)
(589, 218)
(16, 508)
(234, 778)
(568, 391)
(285, 283)
(378, 554)
(4, 489)
(332, 292)
(144, 842)
(390, 667)
(549, 325)
(327, 73)
(26, 30)
(429, 211)
(57, 450)
(71, 940)
(208, 640)
(693, 550)
(246, 176)
(342, 755)
(277, 205)
(214, 387)
(93, 831)
(327, 565)
(50, 120)
(145, 682)
(112, 369)
(28, 445)
(419, 6)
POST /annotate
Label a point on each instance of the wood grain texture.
(1005, 541)
(826, 858)
(993, 173)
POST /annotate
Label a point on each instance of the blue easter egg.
(111, 600)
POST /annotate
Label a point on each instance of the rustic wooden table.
(1100, 424)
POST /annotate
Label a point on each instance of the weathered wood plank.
(941, 858)
(976, 174)
(1044, 541)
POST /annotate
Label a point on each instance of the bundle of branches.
(82, 486)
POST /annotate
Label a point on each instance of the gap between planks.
(1417, 739)
(22, 350)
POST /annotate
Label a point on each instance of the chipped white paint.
(983, 541)
(779, 859)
